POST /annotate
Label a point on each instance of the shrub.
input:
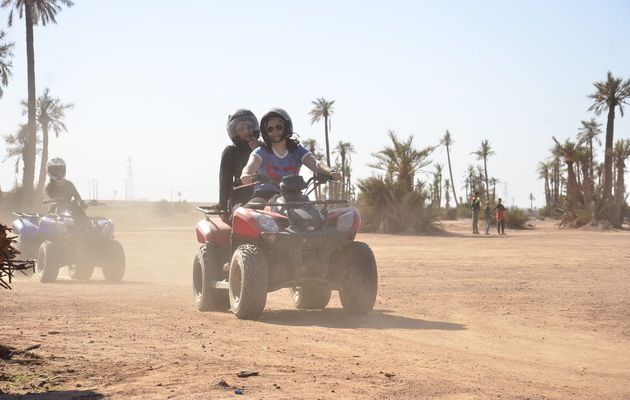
(387, 209)
(464, 210)
(451, 214)
(517, 218)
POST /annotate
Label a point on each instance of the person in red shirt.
(501, 210)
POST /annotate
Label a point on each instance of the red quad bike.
(286, 243)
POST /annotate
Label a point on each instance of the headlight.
(345, 221)
(267, 223)
(108, 229)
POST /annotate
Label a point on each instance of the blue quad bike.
(67, 237)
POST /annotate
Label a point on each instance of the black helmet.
(280, 114)
(56, 169)
(241, 115)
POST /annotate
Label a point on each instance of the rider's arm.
(75, 193)
(254, 162)
(316, 165)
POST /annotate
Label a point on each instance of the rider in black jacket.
(59, 189)
(244, 131)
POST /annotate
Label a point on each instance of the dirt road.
(541, 314)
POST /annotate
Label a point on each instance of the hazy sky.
(155, 81)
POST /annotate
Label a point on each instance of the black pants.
(501, 226)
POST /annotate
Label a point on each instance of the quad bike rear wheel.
(81, 272)
(310, 297)
(248, 282)
(360, 283)
(205, 272)
(47, 265)
(113, 261)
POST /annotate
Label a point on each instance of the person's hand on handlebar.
(246, 179)
(335, 176)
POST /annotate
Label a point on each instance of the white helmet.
(56, 169)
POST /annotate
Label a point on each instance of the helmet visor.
(243, 129)
(57, 172)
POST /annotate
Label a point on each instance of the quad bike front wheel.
(113, 261)
(81, 272)
(310, 297)
(205, 272)
(47, 265)
(360, 282)
(248, 282)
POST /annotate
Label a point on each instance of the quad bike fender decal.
(213, 230)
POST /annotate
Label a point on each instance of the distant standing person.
(488, 216)
(476, 207)
(500, 209)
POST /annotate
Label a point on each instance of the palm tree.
(447, 195)
(51, 113)
(469, 179)
(323, 109)
(582, 157)
(437, 185)
(447, 142)
(344, 150)
(401, 161)
(34, 12)
(312, 146)
(485, 151)
(609, 94)
(544, 169)
(493, 182)
(15, 147)
(6, 53)
(587, 134)
(568, 151)
(531, 202)
(622, 153)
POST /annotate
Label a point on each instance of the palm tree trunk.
(586, 185)
(608, 157)
(547, 191)
(31, 135)
(591, 173)
(450, 172)
(327, 145)
(343, 175)
(620, 196)
(572, 188)
(41, 182)
(485, 170)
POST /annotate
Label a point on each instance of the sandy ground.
(539, 314)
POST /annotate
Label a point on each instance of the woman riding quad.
(244, 131)
(279, 156)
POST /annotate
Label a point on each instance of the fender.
(213, 230)
(244, 225)
(335, 213)
(26, 229)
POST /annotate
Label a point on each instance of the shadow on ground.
(337, 318)
(56, 395)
